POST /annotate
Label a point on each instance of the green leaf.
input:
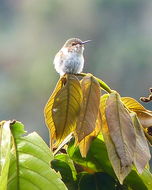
(5, 147)
(64, 170)
(96, 159)
(30, 163)
(89, 108)
(67, 159)
(97, 181)
(66, 173)
(66, 108)
(142, 181)
(146, 177)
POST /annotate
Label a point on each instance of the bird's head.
(75, 45)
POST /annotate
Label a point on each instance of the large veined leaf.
(89, 107)
(97, 160)
(121, 129)
(142, 154)
(48, 111)
(5, 147)
(66, 108)
(120, 170)
(144, 115)
(30, 163)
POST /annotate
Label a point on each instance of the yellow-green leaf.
(48, 111)
(89, 108)
(142, 154)
(144, 115)
(5, 149)
(121, 129)
(66, 107)
(132, 104)
(120, 170)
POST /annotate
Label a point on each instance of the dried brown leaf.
(120, 170)
(121, 129)
(84, 145)
(142, 154)
(89, 107)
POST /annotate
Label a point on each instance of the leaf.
(132, 104)
(134, 182)
(96, 159)
(146, 177)
(142, 154)
(66, 108)
(48, 111)
(30, 163)
(84, 145)
(142, 181)
(67, 159)
(64, 169)
(145, 118)
(97, 181)
(144, 115)
(118, 162)
(121, 129)
(65, 166)
(5, 147)
(89, 107)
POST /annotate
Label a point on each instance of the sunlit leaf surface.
(144, 115)
(89, 107)
(30, 163)
(66, 108)
(48, 111)
(5, 147)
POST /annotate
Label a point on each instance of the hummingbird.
(70, 58)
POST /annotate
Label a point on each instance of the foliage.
(79, 109)
(26, 162)
(107, 142)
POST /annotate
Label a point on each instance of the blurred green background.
(32, 31)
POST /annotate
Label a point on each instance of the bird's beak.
(84, 42)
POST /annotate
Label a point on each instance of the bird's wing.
(60, 56)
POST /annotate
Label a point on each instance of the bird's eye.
(73, 43)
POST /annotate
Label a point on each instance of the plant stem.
(103, 85)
